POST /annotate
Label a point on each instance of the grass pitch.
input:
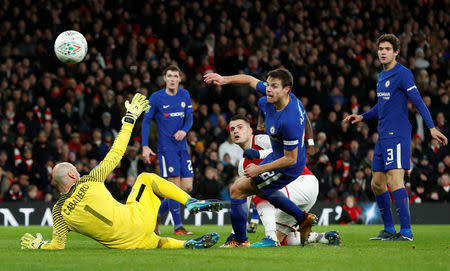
(429, 251)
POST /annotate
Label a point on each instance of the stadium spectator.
(351, 213)
(233, 150)
(7, 136)
(360, 187)
(14, 193)
(444, 188)
(32, 194)
(208, 186)
(6, 164)
(5, 182)
(119, 188)
(131, 165)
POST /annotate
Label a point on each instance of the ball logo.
(387, 83)
(170, 169)
(272, 130)
(183, 104)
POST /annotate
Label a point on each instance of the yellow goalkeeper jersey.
(89, 208)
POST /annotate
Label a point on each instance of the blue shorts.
(175, 164)
(391, 153)
(269, 182)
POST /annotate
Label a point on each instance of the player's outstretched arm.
(239, 79)
(138, 105)
(416, 99)
(60, 230)
(28, 241)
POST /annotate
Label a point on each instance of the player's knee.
(378, 187)
(235, 192)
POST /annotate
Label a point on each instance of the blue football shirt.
(172, 113)
(286, 130)
(394, 88)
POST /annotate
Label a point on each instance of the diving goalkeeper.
(87, 207)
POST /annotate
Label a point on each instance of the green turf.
(429, 251)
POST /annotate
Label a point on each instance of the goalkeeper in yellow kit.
(87, 207)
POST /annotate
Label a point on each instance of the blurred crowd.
(51, 112)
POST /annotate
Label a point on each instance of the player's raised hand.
(353, 118)
(252, 171)
(214, 78)
(179, 135)
(146, 153)
(138, 105)
(442, 139)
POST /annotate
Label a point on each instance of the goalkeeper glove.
(251, 154)
(138, 105)
(28, 241)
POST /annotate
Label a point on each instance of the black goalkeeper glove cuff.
(129, 118)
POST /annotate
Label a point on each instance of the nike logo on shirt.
(387, 163)
(165, 106)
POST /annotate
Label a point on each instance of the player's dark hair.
(392, 39)
(171, 68)
(284, 75)
(240, 117)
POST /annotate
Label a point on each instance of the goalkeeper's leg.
(162, 188)
(145, 192)
(165, 189)
(167, 242)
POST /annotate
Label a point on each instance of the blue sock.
(384, 204)
(280, 201)
(174, 207)
(239, 215)
(164, 207)
(402, 203)
(255, 215)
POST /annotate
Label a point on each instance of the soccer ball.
(70, 47)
